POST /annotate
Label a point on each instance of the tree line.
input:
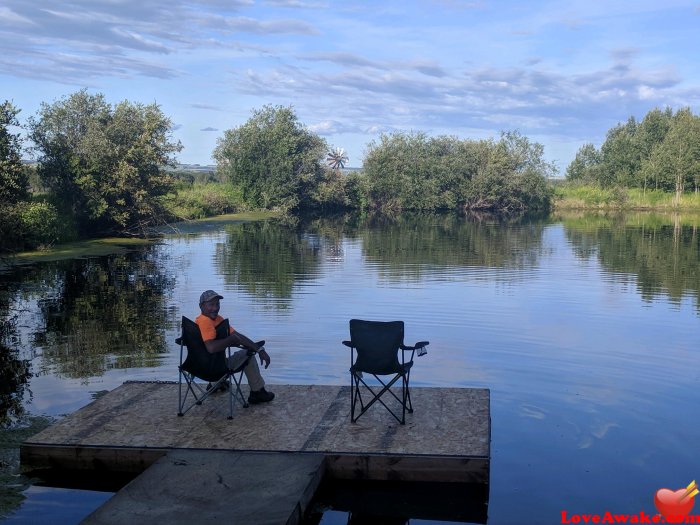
(278, 163)
(100, 169)
(104, 169)
(662, 152)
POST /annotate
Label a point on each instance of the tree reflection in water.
(91, 315)
(14, 372)
(662, 254)
(101, 313)
(268, 259)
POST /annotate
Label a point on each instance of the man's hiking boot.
(260, 396)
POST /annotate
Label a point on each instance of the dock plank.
(214, 487)
(447, 438)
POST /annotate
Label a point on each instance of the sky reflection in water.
(584, 330)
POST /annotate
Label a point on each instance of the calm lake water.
(584, 328)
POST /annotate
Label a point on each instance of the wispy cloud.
(295, 4)
(205, 106)
(565, 71)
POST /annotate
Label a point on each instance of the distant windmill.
(336, 159)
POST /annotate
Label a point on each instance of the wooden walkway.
(446, 439)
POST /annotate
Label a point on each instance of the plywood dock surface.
(137, 422)
(215, 487)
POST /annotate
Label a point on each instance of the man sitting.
(207, 321)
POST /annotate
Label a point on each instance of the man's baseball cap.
(208, 296)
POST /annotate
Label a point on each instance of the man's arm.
(237, 339)
(234, 339)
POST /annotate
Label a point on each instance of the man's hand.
(264, 357)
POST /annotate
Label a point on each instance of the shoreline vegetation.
(110, 170)
(567, 204)
(592, 198)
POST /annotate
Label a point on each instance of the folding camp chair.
(200, 364)
(378, 344)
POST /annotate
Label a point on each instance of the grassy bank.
(568, 197)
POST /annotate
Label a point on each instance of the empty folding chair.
(378, 345)
(213, 368)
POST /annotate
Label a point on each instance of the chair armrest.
(420, 344)
(348, 344)
(259, 344)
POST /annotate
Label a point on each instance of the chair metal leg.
(238, 394)
(353, 397)
(377, 397)
(179, 395)
(230, 399)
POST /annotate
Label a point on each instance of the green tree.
(414, 172)
(401, 172)
(105, 165)
(14, 185)
(585, 166)
(273, 159)
(527, 173)
(643, 155)
(678, 156)
(651, 133)
(621, 159)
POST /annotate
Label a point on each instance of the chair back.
(199, 362)
(377, 344)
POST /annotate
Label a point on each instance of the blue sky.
(562, 73)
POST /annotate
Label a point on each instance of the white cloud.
(7, 15)
(563, 71)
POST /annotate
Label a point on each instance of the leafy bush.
(42, 225)
(414, 172)
(273, 159)
(204, 200)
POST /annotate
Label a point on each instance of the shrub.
(204, 200)
(42, 225)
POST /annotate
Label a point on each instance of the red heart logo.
(674, 505)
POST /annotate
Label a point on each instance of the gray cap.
(208, 296)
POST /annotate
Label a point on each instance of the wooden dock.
(446, 439)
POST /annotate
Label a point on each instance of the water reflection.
(267, 259)
(98, 313)
(394, 503)
(14, 371)
(417, 246)
(102, 313)
(662, 254)
(407, 247)
(583, 327)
